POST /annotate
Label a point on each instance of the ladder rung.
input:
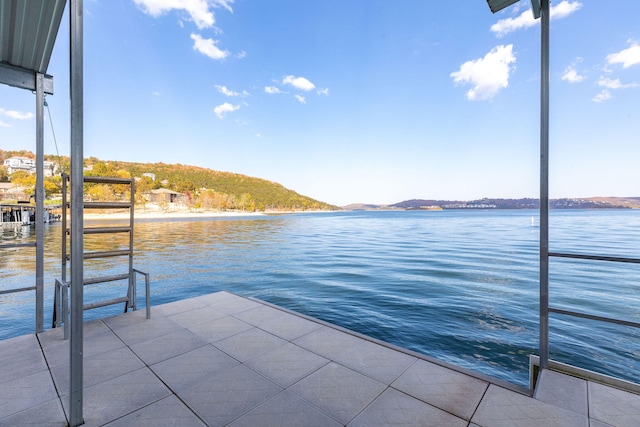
(107, 205)
(106, 180)
(106, 254)
(11, 291)
(104, 279)
(104, 230)
(17, 245)
(105, 303)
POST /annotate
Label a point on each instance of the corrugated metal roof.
(28, 30)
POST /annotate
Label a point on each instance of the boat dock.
(221, 359)
(25, 214)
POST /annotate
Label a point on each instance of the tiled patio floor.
(221, 359)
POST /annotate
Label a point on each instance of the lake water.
(461, 286)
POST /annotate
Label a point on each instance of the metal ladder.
(61, 300)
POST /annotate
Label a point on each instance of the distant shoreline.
(172, 214)
(186, 214)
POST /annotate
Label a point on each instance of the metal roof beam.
(23, 78)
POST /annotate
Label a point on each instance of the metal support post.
(39, 203)
(544, 185)
(77, 206)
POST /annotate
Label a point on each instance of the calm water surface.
(461, 286)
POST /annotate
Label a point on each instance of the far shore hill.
(183, 190)
(527, 203)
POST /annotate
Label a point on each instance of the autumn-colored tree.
(4, 174)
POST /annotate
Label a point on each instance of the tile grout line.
(55, 386)
(173, 392)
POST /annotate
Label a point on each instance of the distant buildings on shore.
(15, 164)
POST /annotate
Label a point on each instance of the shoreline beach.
(179, 213)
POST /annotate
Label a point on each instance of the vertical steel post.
(544, 184)
(77, 207)
(133, 303)
(39, 203)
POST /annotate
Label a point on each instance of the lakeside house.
(163, 196)
(17, 163)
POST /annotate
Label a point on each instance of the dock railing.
(543, 361)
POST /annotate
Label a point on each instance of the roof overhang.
(498, 5)
(28, 30)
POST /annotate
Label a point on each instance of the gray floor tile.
(146, 330)
(218, 297)
(338, 391)
(287, 364)
(26, 392)
(179, 306)
(130, 318)
(98, 368)
(190, 368)
(563, 391)
(327, 342)
(110, 400)
(249, 344)
(219, 329)
(167, 346)
(57, 353)
(394, 408)
(444, 388)
(596, 423)
(55, 335)
(168, 412)
(285, 410)
(285, 325)
(505, 408)
(20, 356)
(232, 394)
(259, 315)
(46, 414)
(196, 316)
(375, 361)
(235, 305)
(612, 406)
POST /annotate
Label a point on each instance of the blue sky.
(355, 101)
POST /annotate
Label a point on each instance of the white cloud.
(4, 125)
(156, 93)
(223, 3)
(602, 96)
(571, 75)
(507, 25)
(301, 99)
(18, 115)
(222, 109)
(526, 20)
(197, 10)
(615, 83)
(259, 135)
(272, 90)
(299, 83)
(241, 54)
(564, 9)
(225, 91)
(208, 47)
(627, 57)
(324, 91)
(488, 75)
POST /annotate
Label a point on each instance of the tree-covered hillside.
(202, 188)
